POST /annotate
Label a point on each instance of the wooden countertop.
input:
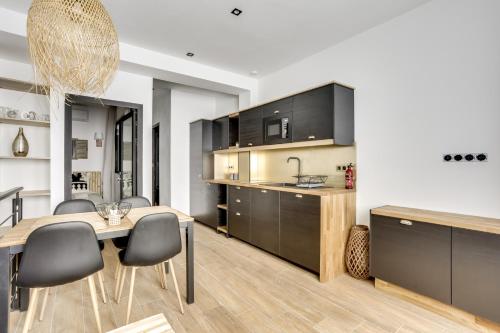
(312, 191)
(470, 222)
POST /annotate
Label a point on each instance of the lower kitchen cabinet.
(413, 255)
(239, 212)
(475, 272)
(265, 219)
(299, 229)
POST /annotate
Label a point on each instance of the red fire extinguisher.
(349, 177)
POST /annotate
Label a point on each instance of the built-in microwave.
(277, 129)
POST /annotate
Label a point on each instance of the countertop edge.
(317, 192)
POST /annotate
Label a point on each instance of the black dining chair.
(75, 206)
(155, 239)
(58, 254)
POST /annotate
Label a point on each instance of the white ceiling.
(267, 36)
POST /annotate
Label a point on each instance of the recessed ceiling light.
(254, 72)
(190, 54)
(236, 12)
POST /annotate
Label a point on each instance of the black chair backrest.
(59, 253)
(137, 202)
(154, 239)
(75, 206)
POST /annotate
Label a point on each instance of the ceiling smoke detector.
(236, 12)
(190, 54)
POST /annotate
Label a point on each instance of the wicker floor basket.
(357, 252)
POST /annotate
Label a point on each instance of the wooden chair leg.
(160, 277)
(101, 285)
(131, 294)
(118, 279)
(31, 310)
(93, 296)
(122, 282)
(44, 303)
(171, 266)
(164, 275)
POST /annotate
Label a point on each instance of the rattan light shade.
(73, 45)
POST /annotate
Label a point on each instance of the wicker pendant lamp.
(73, 45)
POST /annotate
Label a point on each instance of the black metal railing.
(17, 205)
(15, 216)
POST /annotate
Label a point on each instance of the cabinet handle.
(311, 137)
(250, 144)
(238, 200)
(263, 191)
(298, 195)
(406, 222)
(277, 111)
(238, 214)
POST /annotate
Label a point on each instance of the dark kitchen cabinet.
(264, 229)
(277, 108)
(475, 272)
(203, 196)
(413, 255)
(299, 226)
(251, 128)
(239, 212)
(220, 133)
(324, 113)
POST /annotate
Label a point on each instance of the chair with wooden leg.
(75, 206)
(155, 239)
(58, 254)
(121, 242)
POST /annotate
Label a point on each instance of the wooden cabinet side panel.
(338, 215)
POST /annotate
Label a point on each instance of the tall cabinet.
(203, 195)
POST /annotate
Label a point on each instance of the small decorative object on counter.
(357, 252)
(349, 177)
(114, 212)
(20, 145)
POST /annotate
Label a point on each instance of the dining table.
(12, 245)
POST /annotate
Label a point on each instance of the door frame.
(118, 150)
(156, 164)
(68, 133)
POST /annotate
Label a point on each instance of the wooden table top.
(469, 222)
(19, 234)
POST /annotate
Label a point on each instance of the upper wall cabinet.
(220, 136)
(251, 126)
(324, 113)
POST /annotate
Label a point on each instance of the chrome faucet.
(298, 160)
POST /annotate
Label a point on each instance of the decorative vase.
(20, 145)
(357, 252)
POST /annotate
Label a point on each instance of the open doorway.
(103, 154)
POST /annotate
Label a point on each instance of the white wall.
(427, 83)
(85, 130)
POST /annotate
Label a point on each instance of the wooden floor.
(240, 289)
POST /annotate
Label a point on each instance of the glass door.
(126, 155)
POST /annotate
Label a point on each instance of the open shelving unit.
(33, 171)
(222, 210)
